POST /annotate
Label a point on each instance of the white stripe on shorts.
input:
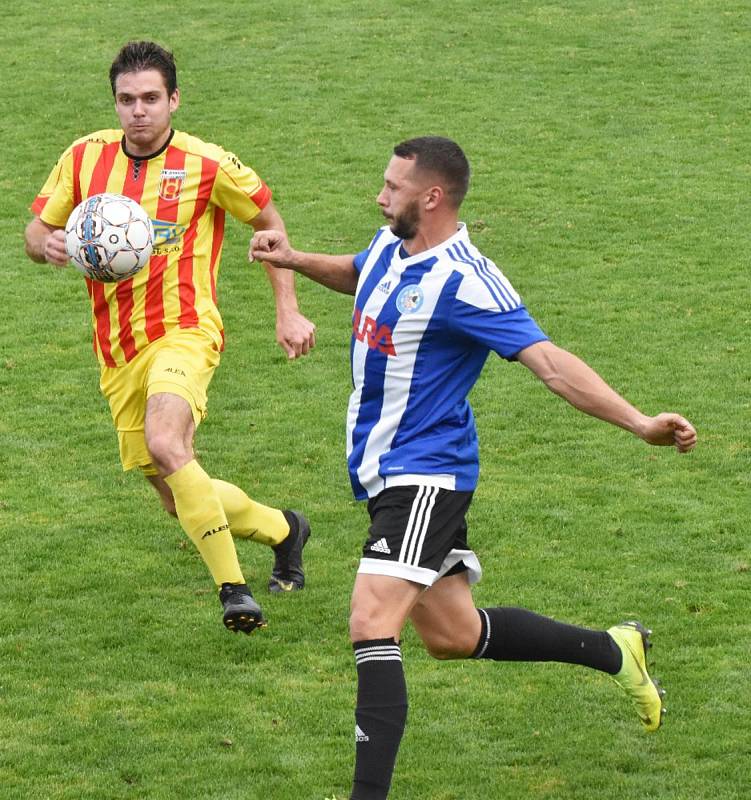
(417, 526)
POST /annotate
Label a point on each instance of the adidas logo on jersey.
(381, 546)
(385, 286)
(360, 735)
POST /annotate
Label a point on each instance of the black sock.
(380, 716)
(515, 634)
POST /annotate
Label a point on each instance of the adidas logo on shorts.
(381, 546)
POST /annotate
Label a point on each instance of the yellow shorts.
(182, 362)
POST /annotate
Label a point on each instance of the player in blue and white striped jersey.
(423, 327)
(429, 308)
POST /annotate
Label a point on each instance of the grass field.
(611, 154)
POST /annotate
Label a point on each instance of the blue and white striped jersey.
(422, 329)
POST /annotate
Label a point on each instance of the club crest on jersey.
(171, 184)
(377, 337)
(410, 299)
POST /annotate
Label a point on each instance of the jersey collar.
(461, 235)
(151, 155)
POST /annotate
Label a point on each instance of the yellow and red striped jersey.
(185, 188)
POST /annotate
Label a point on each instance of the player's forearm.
(45, 243)
(334, 272)
(271, 247)
(35, 240)
(577, 383)
(283, 284)
(586, 391)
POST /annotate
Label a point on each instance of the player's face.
(145, 110)
(401, 197)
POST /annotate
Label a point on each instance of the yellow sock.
(248, 519)
(202, 516)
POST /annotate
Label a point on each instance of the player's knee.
(359, 626)
(365, 624)
(443, 652)
(167, 454)
(159, 447)
(444, 647)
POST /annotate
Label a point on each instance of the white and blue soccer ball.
(109, 237)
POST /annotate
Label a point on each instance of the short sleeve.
(55, 200)
(360, 258)
(505, 332)
(239, 190)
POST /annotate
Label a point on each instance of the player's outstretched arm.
(568, 376)
(334, 272)
(295, 333)
(44, 243)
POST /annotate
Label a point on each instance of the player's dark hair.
(443, 157)
(139, 56)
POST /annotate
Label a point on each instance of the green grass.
(610, 149)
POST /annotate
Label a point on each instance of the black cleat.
(288, 575)
(241, 612)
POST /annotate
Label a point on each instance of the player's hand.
(54, 249)
(295, 333)
(271, 247)
(670, 429)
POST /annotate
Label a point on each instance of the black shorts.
(419, 533)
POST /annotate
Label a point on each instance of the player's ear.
(174, 101)
(433, 197)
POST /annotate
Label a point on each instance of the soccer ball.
(109, 237)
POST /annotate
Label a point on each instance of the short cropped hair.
(442, 157)
(139, 56)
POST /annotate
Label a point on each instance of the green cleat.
(633, 640)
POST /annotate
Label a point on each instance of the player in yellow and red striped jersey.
(158, 335)
(186, 189)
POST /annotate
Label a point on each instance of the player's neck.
(430, 234)
(151, 150)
